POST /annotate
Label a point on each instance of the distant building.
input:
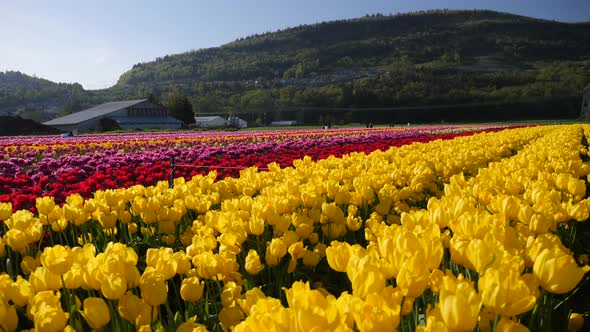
(236, 122)
(130, 114)
(210, 122)
(284, 123)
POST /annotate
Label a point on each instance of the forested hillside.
(37, 98)
(427, 58)
(416, 59)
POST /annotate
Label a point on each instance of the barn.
(129, 114)
(210, 122)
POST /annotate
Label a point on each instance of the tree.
(179, 106)
(257, 100)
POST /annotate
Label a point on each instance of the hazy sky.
(93, 42)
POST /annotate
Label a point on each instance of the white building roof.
(96, 111)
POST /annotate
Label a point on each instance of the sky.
(94, 42)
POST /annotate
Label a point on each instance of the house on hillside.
(210, 122)
(129, 114)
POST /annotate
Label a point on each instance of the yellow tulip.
(332, 213)
(96, 312)
(45, 204)
(379, 311)
(229, 317)
(296, 250)
(480, 254)
(50, 318)
(268, 315)
(508, 206)
(191, 326)
(81, 255)
(314, 238)
(311, 258)
(278, 249)
(113, 286)
(135, 310)
(313, 310)
(191, 289)
(365, 274)
(73, 278)
(508, 325)
(579, 211)
(575, 322)
(21, 291)
(42, 280)
(253, 265)
(55, 215)
(250, 299)
(459, 304)
(413, 276)
(230, 294)
(506, 292)
(562, 180)
(183, 262)
(16, 240)
(40, 299)
(8, 317)
(132, 227)
(541, 224)
(108, 220)
(57, 259)
(576, 187)
(557, 271)
(154, 290)
(28, 264)
(5, 211)
(338, 254)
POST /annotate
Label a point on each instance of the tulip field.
(456, 228)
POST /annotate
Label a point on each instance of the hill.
(378, 43)
(34, 97)
(425, 58)
(379, 61)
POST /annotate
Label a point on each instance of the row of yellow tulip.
(402, 245)
(502, 223)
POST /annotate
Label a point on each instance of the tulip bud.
(5, 211)
(575, 322)
(338, 254)
(45, 204)
(96, 312)
(191, 289)
(253, 265)
(278, 248)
